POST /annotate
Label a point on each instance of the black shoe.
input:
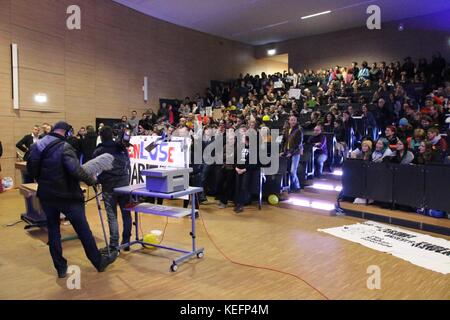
(126, 249)
(106, 260)
(62, 274)
(238, 209)
(104, 251)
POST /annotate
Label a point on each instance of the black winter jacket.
(58, 171)
(119, 175)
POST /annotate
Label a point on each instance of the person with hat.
(365, 153)
(55, 166)
(405, 130)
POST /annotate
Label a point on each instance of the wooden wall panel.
(45, 16)
(39, 51)
(6, 108)
(33, 82)
(5, 15)
(5, 51)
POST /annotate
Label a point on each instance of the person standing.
(292, 148)
(88, 143)
(118, 176)
(54, 165)
(25, 143)
(133, 123)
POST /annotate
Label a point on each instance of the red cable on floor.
(259, 267)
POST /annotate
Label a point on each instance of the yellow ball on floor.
(151, 239)
(273, 200)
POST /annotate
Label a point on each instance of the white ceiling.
(260, 22)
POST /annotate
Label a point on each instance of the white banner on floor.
(422, 250)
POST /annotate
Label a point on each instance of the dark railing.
(409, 185)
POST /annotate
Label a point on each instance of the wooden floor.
(283, 239)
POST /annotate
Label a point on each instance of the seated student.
(391, 136)
(437, 141)
(319, 142)
(414, 141)
(328, 123)
(427, 154)
(405, 130)
(365, 153)
(381, 150)
(363, 73)
(401, 155)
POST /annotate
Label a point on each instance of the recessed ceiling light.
(316, 14)
(271, 52)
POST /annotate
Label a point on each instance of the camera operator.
(117, 177)
(55, 166)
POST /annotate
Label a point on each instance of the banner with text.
(173, 153)
(422, 250)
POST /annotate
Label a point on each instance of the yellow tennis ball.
(273, 200)
(150, 239)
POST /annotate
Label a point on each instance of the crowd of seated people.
(384, 112)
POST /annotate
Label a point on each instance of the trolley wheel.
(174, 268)
(200, 255)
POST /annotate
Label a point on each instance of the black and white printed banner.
(422, 250)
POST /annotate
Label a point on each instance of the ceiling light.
(271, 52)
(40, 98)
(316, 14)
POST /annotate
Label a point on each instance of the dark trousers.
(111, 201)
(75, 212)
(227, 185)
(206, 170)
(242, 189)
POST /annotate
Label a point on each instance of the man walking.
(55, 166)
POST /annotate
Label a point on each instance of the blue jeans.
(320, 160)
(111, 201)
(295, 182)
(75, 212)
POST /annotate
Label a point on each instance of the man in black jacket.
(25, 143)
(118, 176)
(55, 166)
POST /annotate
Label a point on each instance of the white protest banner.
(278, 84)
(422, 250)
(209, 112)
(171, 153)
(294, 93)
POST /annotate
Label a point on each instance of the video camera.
(124, 137)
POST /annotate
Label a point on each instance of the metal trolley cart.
(172, 212)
